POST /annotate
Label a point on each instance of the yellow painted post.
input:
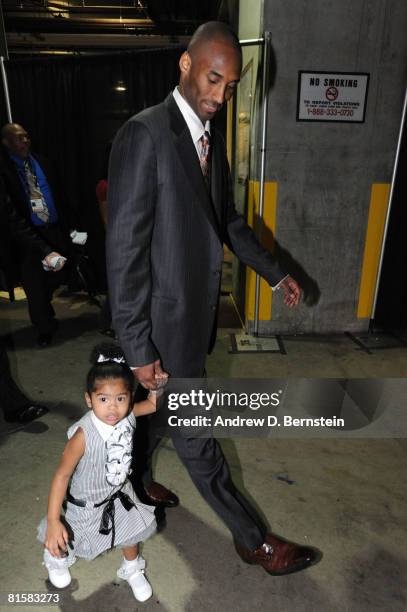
(379, 201)
(268, 232)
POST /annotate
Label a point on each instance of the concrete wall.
(325, 171)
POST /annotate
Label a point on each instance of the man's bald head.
(15, 138)
(210, 68)
(9, 128)
(211, 31)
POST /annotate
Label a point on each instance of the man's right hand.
(150, 375)
(54, 261)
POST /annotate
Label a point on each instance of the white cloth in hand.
(79, 237)
(54, 264)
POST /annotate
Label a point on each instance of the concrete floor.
(346, 497)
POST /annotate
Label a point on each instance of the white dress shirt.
(192, 120)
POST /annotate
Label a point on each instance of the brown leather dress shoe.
(279, 557)
(157, 494)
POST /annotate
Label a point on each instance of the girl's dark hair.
(103, 370)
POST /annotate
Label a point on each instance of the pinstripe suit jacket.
(165, 241)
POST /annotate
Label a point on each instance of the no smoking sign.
(332, 96)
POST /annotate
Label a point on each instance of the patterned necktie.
(35, 192)
(204, 147)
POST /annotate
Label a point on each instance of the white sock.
(55, 562)
(126, 565)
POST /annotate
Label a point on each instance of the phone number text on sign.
(326, 96)
(344, 112)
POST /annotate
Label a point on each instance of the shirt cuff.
(279, 283)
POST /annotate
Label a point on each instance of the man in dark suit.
(16, 406)
(170, 209)
(32, 186)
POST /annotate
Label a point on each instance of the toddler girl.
(102, 510)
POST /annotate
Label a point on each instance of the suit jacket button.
(213, 307)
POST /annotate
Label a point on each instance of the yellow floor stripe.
(379, 201)
(269, 223)
(19, 294)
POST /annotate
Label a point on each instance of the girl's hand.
(57, 538)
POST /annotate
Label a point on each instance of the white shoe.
(58, 572)
(133, 573)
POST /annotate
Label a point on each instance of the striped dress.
(124, 520)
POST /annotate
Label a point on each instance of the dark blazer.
(59, 240)
(165, 240)
(15, 189)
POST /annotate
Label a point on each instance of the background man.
(31, 183)
(14, 403)
(170, 210)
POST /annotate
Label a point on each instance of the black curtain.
(72, 110)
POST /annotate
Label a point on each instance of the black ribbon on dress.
(107, 523)
(76, 502)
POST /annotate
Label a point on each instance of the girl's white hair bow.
(116, 359)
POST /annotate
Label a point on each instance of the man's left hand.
(292, 291)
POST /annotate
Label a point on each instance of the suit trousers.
(12, 399)
(206, 464)
(209, 471)
(39, 293)
(40, 285)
